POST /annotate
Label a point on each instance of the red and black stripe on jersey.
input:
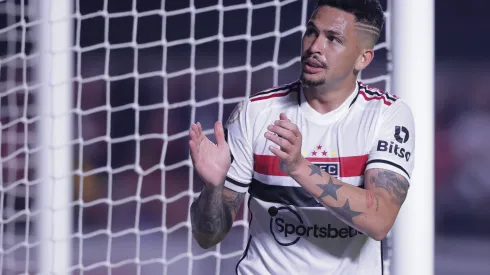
(369, 94)
(279, 91)
(351, 166)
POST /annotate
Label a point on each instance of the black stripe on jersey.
(390, 163)
(226, 139)
(237, 182)
(273, 90)
(373, 93)
(287, 195)
(249, 238)
(354, 100)
(382, 259)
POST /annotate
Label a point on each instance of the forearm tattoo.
(208, 212)
(211, 214)
(315, 170)
(329, 189)
(346, 212)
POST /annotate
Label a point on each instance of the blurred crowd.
(462, 148)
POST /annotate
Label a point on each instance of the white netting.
(144, 71)
(17, 137)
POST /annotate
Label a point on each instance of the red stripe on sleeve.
(269, 96)
(374, 98)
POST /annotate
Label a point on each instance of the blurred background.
(135, 97)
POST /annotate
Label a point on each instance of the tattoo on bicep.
(329, 189)
(315, 170)
(396, 185)
(346, 212)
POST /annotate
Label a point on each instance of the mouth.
(312, 66)
(314, 63)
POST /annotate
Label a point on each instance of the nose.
(316, 45)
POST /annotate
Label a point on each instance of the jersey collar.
(329, 117)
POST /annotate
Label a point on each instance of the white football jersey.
(290, 231)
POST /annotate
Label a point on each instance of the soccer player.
(326, 159)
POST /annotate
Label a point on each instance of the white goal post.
(95, 108)
(413, 78)
(54, 72)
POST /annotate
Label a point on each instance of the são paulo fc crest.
(328, 161)
(332, 168)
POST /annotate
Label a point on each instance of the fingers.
(194, 134)
(285, 134)
(286, 129)
(278, 152)
(199, 128)
(219, 132)
(194, 151)
(283, 143)
(197, 136)
(291, 127)
(194, 141)
(283, 116)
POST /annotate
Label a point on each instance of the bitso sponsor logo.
(287, 227)
(401, 136)
(392, 148)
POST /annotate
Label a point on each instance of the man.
(326, 160)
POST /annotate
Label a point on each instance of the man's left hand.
(287, 135)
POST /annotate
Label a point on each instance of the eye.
(332, 38)
(310, 31)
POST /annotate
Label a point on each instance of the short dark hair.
(368, 12)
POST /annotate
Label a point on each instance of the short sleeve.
(237, 135)
(394, 145)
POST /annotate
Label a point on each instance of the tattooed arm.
(371, 210)
(213, 213)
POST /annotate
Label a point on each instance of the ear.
(364, 59)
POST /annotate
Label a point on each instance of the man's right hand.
(210, 160)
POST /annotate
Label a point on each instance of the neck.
(326, 98)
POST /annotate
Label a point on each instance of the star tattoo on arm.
(345, 212)
(315, 170)
(329, 189)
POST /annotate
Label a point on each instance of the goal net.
(96, 102)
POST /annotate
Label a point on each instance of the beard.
(311, 82)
